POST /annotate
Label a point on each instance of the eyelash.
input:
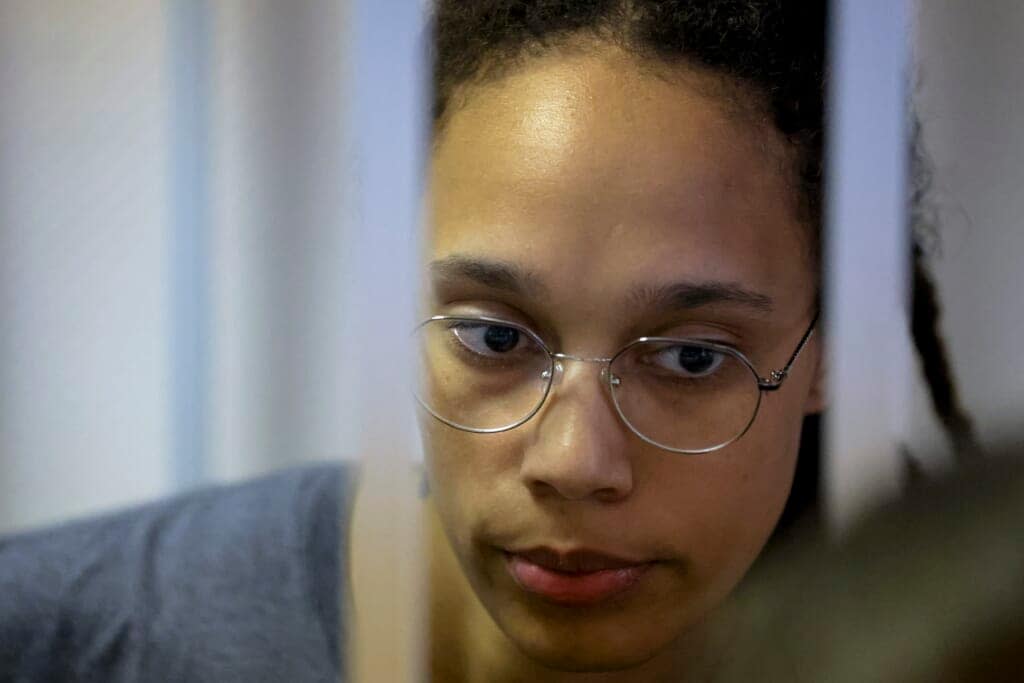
(514, 315)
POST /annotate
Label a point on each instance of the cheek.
(720, 508)
(468, 474)
(740, 494)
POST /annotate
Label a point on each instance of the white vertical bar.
(867, 255)
(278, 236)
(188, 59)
(388, 123)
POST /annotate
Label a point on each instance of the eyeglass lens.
(481, 376)
(485, 377)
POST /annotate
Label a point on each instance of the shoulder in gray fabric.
(236, 583)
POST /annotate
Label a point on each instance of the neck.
(466, 645)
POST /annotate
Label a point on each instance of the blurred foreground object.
(387, 132)
(928, 589)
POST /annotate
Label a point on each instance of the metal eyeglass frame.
(772, 382)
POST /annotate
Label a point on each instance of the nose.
(579, 448)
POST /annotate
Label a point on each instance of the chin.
(579, 654)
(564, 639)
(577, 661)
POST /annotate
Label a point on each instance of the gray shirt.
(235, 583)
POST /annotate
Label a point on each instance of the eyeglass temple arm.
(777, 377)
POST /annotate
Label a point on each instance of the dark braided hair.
(925, 312)
(774, 49)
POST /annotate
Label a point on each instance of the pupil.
(501, 339)
(695, 359)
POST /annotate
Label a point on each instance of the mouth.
(576, 578)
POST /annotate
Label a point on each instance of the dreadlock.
(925, 314)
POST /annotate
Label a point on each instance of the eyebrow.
(516, 279)
(685, 296)
(490, 273)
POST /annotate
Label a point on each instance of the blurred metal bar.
(388, 123)
(278, 240)
(188, 60)
(867, 255)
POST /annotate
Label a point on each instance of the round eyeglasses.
(487, 375)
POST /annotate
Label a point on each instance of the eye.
(487, 339)
(689, 361)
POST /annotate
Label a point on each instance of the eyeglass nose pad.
(558, 372)
(611, 378)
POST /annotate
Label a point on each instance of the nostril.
(542, 489)
(610, 495)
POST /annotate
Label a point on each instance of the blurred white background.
(151, 341)
(173, 279)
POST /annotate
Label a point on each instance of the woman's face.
(587, 198)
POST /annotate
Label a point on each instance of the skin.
(603, 181)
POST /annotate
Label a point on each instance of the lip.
(575, 578)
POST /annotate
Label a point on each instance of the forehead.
(598, 174)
